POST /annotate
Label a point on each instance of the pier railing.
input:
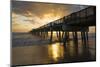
(77, 21)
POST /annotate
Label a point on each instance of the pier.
(79, 21)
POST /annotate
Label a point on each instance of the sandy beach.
(30, 49)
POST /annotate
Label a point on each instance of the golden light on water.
(56, 51)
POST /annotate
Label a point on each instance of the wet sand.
(32, 50)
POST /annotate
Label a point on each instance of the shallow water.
(30, 49)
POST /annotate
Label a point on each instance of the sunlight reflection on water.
(40, 53)
(56, 51)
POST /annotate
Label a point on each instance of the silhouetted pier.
(76, 22)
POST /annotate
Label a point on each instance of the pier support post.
(62, 34)
(75, 39)
(51, 35)
(65, 38)
(59, 36)
(84, 39)
(87, 39)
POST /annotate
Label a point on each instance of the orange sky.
(29, 15)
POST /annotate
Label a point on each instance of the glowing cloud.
(29, 15)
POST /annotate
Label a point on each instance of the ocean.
(31, 49)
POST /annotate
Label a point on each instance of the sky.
(30, 15)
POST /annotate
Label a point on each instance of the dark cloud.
(38, 13)
(39, 9)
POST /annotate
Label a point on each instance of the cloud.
(37, 14)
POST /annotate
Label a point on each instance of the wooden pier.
(76, 22)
